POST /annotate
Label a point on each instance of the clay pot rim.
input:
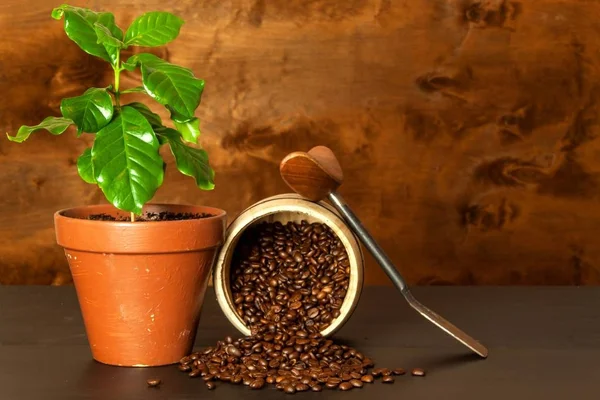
(216, 213)
(75, 232)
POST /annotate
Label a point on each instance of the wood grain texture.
(467, 130)
(308, 176)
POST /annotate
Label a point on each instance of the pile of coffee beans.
(293, 363)
(288, 277)
(288, 283)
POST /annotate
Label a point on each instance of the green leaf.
(108, 20)
(153, 29)
(190, 130)
(79, 27)
(85, 166)
(190, 161)
(151, 117)
(170, 84)
(90, 111)
(138, 89)
(106, 37)
(175, 116)
(54, 125)
(126, 162)
(129, 65)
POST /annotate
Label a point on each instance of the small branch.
(132, 217)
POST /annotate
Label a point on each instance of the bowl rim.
(320, 211)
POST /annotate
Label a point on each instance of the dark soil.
(163, 216)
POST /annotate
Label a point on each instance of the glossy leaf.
(190, 161)
(106, 37)
(152, 29)
(169, 84)
(54, 125)
(129, 65)
(126, 162)
(85, 167)
(177, 117)
(138, 89)
(91, 111)
(190, 130)
(108, 20)
(151, 117)
(79, 27)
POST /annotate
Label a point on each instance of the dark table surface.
(544, 344)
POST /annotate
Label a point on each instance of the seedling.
(124, 160)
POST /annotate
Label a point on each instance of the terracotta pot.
(140, 285)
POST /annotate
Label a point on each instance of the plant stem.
(117, 70)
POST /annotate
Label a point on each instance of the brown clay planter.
(140, 285)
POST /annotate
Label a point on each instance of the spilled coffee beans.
(288, 284)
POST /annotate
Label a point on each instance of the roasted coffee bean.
(194, 373)
(367, 363)
(312, 313)
(289, 388)
(316, 388)
(418, 372)
(398, 371)
(257, 383)
(355, 375)
(185, 367)
(211, 385)
(367, 378)
(306, 380)
(153, 382)
(345, 386)
(331, 385)
(186, 360)
(356, 383)
(225, 377)
(387, 379)
(301, 387)
(233, 351)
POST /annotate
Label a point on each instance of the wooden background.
(467, 129)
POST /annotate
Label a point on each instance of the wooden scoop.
(316, 175)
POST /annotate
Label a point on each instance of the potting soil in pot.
(150, 216)
(288, 283)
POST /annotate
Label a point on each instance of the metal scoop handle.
(391, 271)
